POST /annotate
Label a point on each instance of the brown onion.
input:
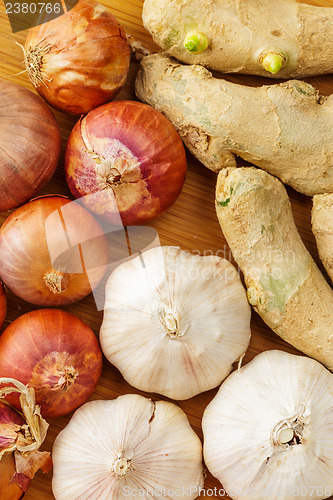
(3, 304)
(129, 158)
(21, 435)
(78, 60)
(52, 224)
(30, 145)
(55, 353)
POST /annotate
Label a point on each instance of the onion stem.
(66, 379)
(56, 282)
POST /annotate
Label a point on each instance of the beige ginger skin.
(322, 228)
(283, 282)
(240, 33)
(285, 129)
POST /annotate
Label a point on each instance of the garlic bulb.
(126, 448)
(173, 322)
(268, 433)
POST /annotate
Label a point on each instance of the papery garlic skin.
(260, 410)
(115, 449)
(174, 322)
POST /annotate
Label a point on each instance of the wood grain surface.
(191, 223)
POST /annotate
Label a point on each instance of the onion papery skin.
(9, 418)
(3, 304)
(9, 490)
(30, 145)
(21, 435)
(83, 58)
(25, 262)
(129, 158)
(9, 415)
(57, 354)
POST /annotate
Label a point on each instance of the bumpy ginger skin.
(241, 32)
(283, 282)
(285, 129)
(322, 228)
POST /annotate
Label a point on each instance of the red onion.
(78, 60)
(56, 354)
(52, 223)
(3, 304)
(30, 145)
(130, 158)
(21, 436)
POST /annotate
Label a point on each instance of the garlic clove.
(115, 449)
(173, 322)
(268, 431)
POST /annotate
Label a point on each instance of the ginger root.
(284, 285)
(280, 38)
(322, 228)
(286, 129)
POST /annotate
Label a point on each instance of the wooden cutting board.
(191, 223)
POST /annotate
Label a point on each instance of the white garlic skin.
(247, 426)
(174, 322)
(127, 442)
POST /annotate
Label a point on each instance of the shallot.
(52, 251)
(3, 304)
(79, 60)
(30, 145)
(129, 158)
(55, 353)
